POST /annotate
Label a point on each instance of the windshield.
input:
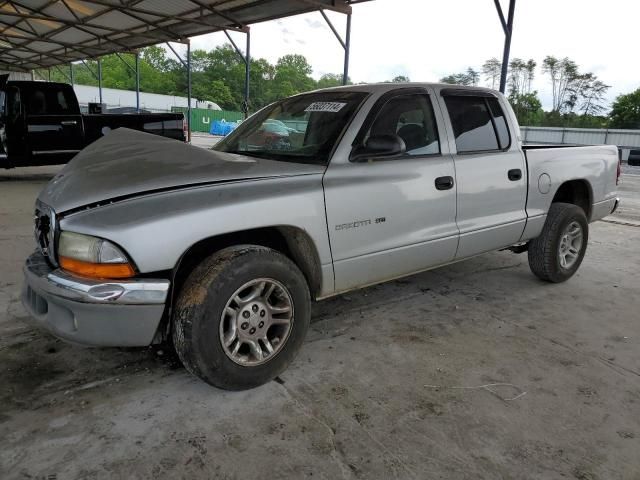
(304, 128)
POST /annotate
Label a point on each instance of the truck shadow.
(38, 369)
(29, 174)
(33, 177)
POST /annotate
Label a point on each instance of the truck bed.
(549, 166)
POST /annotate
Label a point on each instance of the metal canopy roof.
(45, 33)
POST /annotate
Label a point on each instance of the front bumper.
(90, 311)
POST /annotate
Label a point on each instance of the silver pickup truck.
(142, 239)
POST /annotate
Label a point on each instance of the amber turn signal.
(96, 270)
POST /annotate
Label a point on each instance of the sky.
(428, 39)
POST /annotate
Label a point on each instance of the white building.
(153, 102)
(16, 75)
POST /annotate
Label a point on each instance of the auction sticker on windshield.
(325, 107)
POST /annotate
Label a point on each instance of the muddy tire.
(558, 252)
(241, 317)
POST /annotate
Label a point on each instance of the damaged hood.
(127, 163)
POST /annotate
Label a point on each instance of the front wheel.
(241, 317)
(558, 252)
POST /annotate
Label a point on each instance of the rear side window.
(500, 122)
(411, 118)
(478, 123)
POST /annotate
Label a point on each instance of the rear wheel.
(558, 252)
(241, 317)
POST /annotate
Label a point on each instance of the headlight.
(92, 257)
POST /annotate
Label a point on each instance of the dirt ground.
(471, 371)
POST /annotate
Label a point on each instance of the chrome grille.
(45, 230)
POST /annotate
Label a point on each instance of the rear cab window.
(479, 123)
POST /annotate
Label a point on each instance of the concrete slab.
(475, 370)
(628, 190)
(204, 140)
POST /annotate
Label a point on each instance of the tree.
(531, 73)
(492, 69)
(292, 75)
(330, 80)
(562, 73)
(573, 90)
(469, 78)
(527, 107)
(214, 91)
(473, 76)
(400, 79)
(521, 74)
(218, 75)
(625, 111)
(587, 94)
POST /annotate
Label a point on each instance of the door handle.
(69, 122)
(515, 174)
(444, 183)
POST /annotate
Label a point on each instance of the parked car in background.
(272, 134)
(223, 251)
(41, 123)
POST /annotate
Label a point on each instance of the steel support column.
(189, 91)
(346, 43)
(187, 65)
(347, 47)
(247, 71)
(71, 73)
(136, 72)
(507, 26)
(100, 79)
(97, 76)
(138, 82)
(246, 58)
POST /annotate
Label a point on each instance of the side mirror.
(378, 146)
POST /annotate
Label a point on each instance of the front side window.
(13, 103)
(411, 118)
(37, 104)
(48, 100)
(478, 123)
(304, 128)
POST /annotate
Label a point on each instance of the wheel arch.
(577, 192)
(293, 242)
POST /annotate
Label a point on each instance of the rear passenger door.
(490, 172)
(389, 217)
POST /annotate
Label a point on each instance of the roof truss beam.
(35, 33)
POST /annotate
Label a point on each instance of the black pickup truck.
(41, 123)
